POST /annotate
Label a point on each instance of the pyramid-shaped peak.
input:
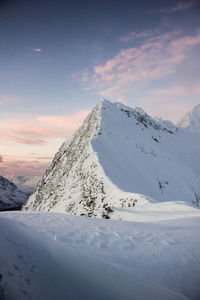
(104, 101)
(116, 155)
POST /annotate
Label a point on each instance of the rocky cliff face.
(120, 157)
(71, 184)
(10, 196)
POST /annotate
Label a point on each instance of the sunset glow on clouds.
(54, 69)
(156, 57)
(43, 135)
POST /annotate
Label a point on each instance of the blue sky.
(58, 58)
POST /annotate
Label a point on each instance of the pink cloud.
(28, 141)
(154, 58)
(21, 131)
(138, 35)
(12, 165)
(30, 129)
(37, 50)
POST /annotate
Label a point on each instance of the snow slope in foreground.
(57, 256)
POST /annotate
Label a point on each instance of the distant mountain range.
(26, 184)
(11, 198)
(119, 159)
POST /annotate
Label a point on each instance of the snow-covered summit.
(119, 159)
(191, 120)
(10, 196)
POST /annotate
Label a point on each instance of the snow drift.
(52, 256)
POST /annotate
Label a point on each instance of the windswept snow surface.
(52, 256)
(140, 155)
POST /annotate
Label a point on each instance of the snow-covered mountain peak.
(118, 158)
(191, 120)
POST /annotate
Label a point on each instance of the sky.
(59, 58)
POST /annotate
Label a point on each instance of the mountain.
(119, 160)
(26, 184)
(191, 120)
(11, 197)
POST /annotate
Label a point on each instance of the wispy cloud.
(36, 130)
(138, 35)
(182, 5)
(155, 57)
(8, 100)
(37, 50)
(43, 133)
(1, 158)
(28, 141)
(30, 167)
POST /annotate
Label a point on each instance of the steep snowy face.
(140, 155)
(10, 196)
(120, 157)
(191, 120)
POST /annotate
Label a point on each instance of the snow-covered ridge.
(191, 120)
(119, 158)
(143, 118)
(10, 196)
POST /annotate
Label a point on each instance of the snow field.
(164, 254)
